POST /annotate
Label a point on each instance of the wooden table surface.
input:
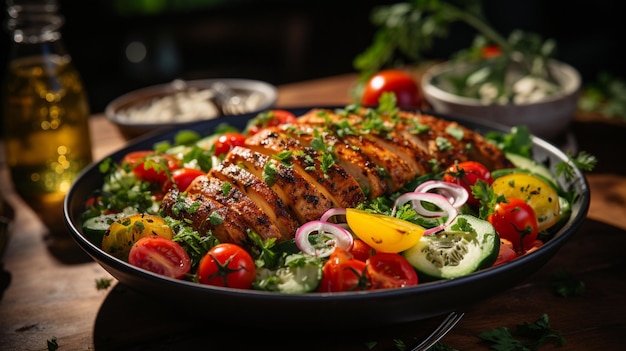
(48, 290)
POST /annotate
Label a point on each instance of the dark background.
(283, 41)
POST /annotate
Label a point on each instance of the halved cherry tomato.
(160, 255)
(227, 265)
(150, 166)
(466, 174)
(507, 252)
(342, 272)
(227, 141)
(515, 221)
(540, 195)
(361, 251)
(182, 178)
(396, 81)
(268, 119)
(390, 270)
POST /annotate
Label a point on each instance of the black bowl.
(354, 309)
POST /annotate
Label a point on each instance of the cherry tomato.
(361, 251)
(160, 255)
(150, 166)
(342, 272)
(540, 195)
(515, 221)
(396, 81)
(507, 252)
(182, 177)
(227, 141)
(268, 119)
(227, 265)
(390, 270)
(466, 174)
(491, 51)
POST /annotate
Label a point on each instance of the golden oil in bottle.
(45, 118)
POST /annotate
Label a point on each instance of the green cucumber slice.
(94, 228)
(468, 244)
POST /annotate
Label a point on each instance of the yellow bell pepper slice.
(383, 233)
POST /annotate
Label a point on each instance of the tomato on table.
(396, 81)
(270, 118)
(151, 166)
(342, 272)
(227, 265)
(182, 178)
(160, 255)
(390, 270)
(515, 221)
(466, 174)
(227, 142)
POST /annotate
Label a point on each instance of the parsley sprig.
(534, 335)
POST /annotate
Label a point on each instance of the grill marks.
(290, 174)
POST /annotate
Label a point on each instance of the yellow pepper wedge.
(123, 233)
(383, 233)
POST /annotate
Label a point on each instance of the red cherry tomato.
(227, 265)
(182, 177)
(515, 221)
(491, 51)
(150, 166)
(390, 270)
(227, 141)
(361, 251)
(467, 174)
(396, 81)
(342, 272)
(507, 252)
(160, 255)
(269, 119)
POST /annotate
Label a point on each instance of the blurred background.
(121, 45)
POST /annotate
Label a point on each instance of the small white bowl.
(181, 102)
(548, 118)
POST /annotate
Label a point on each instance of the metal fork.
(451, 320)
(229, 101)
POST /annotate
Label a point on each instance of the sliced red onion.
(436, 199)
(456, 194)
(337, 211)
(341, 238)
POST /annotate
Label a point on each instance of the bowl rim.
(429, 89)
(269, 90)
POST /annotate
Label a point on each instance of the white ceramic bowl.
(547, 118)
(181, 102)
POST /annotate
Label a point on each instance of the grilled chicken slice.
(224, 210)
(305, 201)
(259, 192)
(316, 166)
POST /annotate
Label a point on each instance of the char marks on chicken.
(289, 174)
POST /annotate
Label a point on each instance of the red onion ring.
(341, 238)
(456, 194)
(436, 199)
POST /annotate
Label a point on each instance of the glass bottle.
(45, 111)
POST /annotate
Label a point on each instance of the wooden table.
(52, 290)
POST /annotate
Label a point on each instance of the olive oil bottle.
(45, 112)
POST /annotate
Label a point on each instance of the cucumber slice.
(532, 166)
(467, 245)
(94, 228)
